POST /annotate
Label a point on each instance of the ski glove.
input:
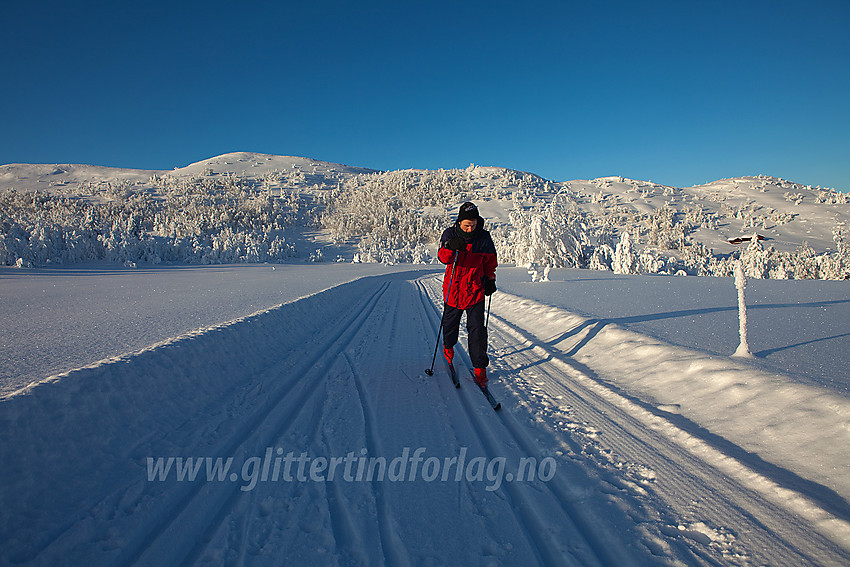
(456, 243)
(489, 287)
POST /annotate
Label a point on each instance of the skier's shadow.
(593, 326)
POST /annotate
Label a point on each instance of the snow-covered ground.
(798, 328)
(648, 444)
(63, 319)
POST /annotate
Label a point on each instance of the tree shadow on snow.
(767, 352)
(823, 496)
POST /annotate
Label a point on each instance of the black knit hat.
(468, 211)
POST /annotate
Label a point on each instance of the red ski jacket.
(474, 265)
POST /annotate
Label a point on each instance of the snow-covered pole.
(741, 284)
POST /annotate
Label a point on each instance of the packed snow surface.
(281, 414)
(67, 318)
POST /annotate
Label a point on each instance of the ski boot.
(449, 353)
(481, 377)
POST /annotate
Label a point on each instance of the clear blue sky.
(678, 92)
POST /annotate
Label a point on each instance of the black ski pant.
(477, 339)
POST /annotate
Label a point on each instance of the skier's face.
(468, 225)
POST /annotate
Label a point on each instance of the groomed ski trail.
(338, 377)
(378, 402)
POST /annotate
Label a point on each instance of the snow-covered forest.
(246, 207)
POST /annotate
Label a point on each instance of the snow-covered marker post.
(741, 284)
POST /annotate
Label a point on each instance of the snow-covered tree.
(552, 237)
(625, 259)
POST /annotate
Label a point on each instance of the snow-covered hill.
(246, 207)
(59, 178)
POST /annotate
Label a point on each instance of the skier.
(470, 255)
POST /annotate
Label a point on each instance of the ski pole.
(489, 301)
(430, 372)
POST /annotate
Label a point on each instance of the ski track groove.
(605, 419)
(665, 453)
(455, 400)
(118, 492)
(346, 536)
(535, 529)
(390, 541)
(135, 551)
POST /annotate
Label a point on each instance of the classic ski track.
(390, 540)
(633, 432)
(550, 552)
(215, 508)
(117, 493)
(351, 537)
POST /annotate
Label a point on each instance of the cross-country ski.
(453, 374)
(485, 389)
